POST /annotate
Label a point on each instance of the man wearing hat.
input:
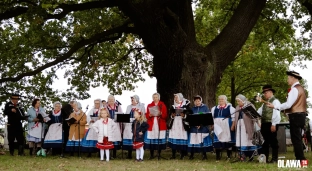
(15, 129)
(296, 107)
(270, 117)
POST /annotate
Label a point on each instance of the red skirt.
(137, 145)
(105, 145)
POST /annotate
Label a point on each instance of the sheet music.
(178, 112)
(155, 111)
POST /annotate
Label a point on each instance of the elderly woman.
(114, 107)
(178, 126)
(199, 139)
(156, 114)
(224, 127)
(76, 129)
(245, 128)
(91, 138)
(53, 138)
(36, 119)
(127, 128)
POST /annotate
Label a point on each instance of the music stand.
(200, 119)
(249, 110)
(122, 118)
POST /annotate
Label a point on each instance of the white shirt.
(291, 99)
(310, 123)
(276, 116)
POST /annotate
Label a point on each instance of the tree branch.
(97, 38)
(306, 4)
(66, 8)
(231, 39)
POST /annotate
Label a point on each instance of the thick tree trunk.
(181, 65)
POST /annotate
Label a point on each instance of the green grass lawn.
(8, 162)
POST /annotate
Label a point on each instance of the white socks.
(106, 153)
(139, 153)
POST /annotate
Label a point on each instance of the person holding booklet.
(37, 116)
(178, 126)
(199, 140)
(105, 128)
(156, 114)
(77, 121)
(224, 127)
(114, 107)
(88, 143)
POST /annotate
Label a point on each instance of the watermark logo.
(292, 164)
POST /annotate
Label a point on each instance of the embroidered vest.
(267, 112)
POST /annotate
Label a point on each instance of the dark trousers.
(270, 139)
(297, 122)
(16, 132)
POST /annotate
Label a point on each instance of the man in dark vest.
(296, 107)
(269, 118)
(15, 130)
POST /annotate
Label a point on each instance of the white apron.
(177, 131)
(127, 134)
(197, 138)
(36, 130)
(243, 133)
(223, 133)
(54, 132)
(155, 131)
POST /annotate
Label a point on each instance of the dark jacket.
(187, 111)
(138, 127)
(14, 118)
(65, 112)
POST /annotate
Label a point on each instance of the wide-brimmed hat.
(267, 88)
(15, 96)
(294, 74)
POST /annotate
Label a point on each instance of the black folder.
(203, 119)
(249, 110)
(71, 120)
(124, 118)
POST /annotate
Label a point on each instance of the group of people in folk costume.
(147, 130)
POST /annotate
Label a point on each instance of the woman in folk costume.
(245, 128)
(178, 126)
(53, 139)
(88, 143)
(199, 139)
(114, 107)
(79, 125)
(36, 119)
(105, 128)
(224, 127)
(156, 114)
(127, 134)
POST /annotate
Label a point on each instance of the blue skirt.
(177, 144)
(154, 144)
(52, 144)
(248, 148)
(33, 139)
(72, 146)
(205, 146)
(127, 144)
(88, 146)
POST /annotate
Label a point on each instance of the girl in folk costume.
(224, 127)
(178, 126)
(127, 134)
(74, 135)
(114, 107)
(37, 116)
(105, 127)
(139, 127)
(245, 128)
(53, 139)
(156, 115)
(199, 139)
(88, 143)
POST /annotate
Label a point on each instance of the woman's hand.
(92, 121)
(233, 127)
(141, 133)
(36, 120)
(173, 115)
(198, 127)
(182, 115)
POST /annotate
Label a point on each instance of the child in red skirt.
(105, 127)
(139, 128)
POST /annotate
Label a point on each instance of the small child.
(139, 127)
(104, 127)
